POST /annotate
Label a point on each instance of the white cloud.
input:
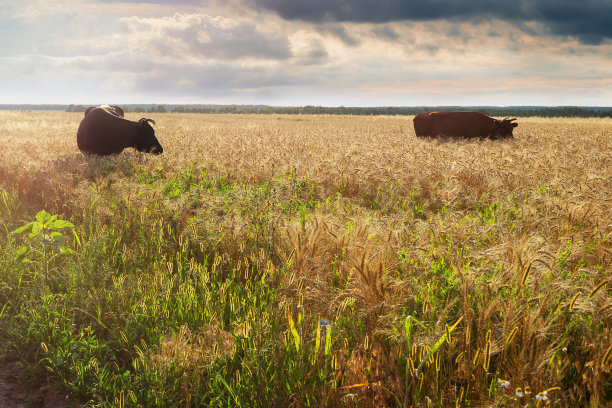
(74, 51)
(201, 36)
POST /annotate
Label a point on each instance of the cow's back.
(102, 131)
(457, 124)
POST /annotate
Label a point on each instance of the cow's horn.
(145, 120)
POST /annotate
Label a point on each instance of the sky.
(307, 52)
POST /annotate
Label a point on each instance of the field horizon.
(583, 111)
(309, 260)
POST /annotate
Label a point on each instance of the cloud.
(588, 20)
(308, 48)
(386, 32)
(340, 31)
(381, 11)
(213, 80)
(200, 35)
(357, 52)
(175, 2)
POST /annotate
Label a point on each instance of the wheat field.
(304, 260)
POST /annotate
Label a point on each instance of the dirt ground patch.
(13, 394)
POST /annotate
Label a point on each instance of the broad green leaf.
(36, 227)
(24, 228)
(58, 224)
(58, 238)
(50, 221)
(21, 251)
(43, 216)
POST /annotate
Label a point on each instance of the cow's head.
(145, 140)
(503, 128)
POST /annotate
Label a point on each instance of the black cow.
(104, 131)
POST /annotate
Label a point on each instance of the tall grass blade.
(294, 332)
(438, 344)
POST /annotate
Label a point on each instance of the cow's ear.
(514, 124)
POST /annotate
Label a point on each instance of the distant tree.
(559, 111)
(158, 109)
(76, 108)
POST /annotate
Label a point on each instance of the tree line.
(562, 111)
(558, 111)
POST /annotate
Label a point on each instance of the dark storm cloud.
(590, 21)
(163, 2)
(380, 11)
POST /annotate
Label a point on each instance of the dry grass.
(357, 220)
(360, 153)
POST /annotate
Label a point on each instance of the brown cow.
(463, 124)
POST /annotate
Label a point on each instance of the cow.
(463, 124)
(104, 131)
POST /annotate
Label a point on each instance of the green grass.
(195, 285)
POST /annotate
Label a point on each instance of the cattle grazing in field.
(104, 131)
(463, 125)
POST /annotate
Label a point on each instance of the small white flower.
(542, 396)
(520, 393)
(503, 383)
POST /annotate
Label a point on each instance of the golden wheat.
(532, 210)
